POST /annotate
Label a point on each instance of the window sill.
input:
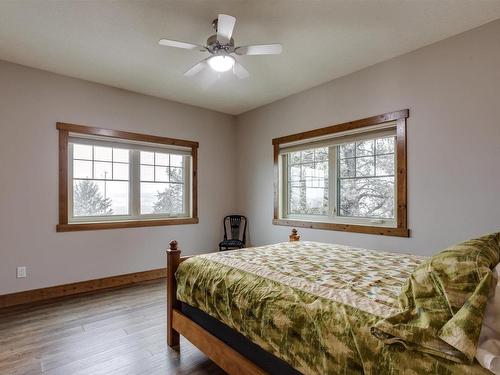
(366, 229)
(124, 224)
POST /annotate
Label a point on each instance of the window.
(349, 177)
(366, 179)
(113, 179)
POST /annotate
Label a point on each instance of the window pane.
(385, 145)
(100, 198)
(161, 198)
(294, 172)
(365, 147)
(308, 182)
(117, 192)
(176, 160)
(309, 200)
(307, 156)
(149, 194)
(82, 152)
(103, 170)
(176, 174)
(147, 173)
(295, 200)
(321, 154)
(367, 197)
(347, 150)
(161, 159)
(365, 166)
(121, 155)
(161, 174)
(82, 169)
(347, 167)
(103, 153)
(120, 171)
(385, 165)
(147, 157)
(88, 199)
(294, 157)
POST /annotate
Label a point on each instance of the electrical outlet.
(21, 272)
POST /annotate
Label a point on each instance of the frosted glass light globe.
(221, 63)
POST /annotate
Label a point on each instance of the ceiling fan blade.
(179, 44)
(225, 27)
(240, 71)
(196, 69)
(260, 49)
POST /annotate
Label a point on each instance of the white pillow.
(488, 350)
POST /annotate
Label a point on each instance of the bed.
(297, 307)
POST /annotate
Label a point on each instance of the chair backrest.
(235, 227)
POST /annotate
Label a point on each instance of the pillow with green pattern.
(443, 302)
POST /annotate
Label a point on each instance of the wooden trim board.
(42, 294)
(83, 129)
(124, 224)
(366, 229)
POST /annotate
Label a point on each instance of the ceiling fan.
(221, 47)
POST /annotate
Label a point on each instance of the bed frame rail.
(222, 354)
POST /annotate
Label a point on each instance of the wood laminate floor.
(114, 332)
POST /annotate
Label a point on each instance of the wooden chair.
(235, 227)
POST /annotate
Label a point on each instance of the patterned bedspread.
(311, 304)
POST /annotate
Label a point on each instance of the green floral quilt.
(313, 305)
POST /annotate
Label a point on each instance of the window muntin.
(350, 182)
(109, 183)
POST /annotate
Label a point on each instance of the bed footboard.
(177, 323)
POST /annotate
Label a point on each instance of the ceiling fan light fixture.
(221, 63)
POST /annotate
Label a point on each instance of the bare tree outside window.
(366, 178)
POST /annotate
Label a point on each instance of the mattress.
(311, 305)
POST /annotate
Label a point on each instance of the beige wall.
(452, 89)
(31, 102)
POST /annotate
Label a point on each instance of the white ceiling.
(115, 42)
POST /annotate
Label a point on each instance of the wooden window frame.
(401, 229)
(65, 129)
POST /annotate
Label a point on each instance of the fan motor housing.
(213, 45)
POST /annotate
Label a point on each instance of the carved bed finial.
(294, 236)
(173, 245)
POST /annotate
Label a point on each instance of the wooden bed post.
(173, 261)
(294, 236)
